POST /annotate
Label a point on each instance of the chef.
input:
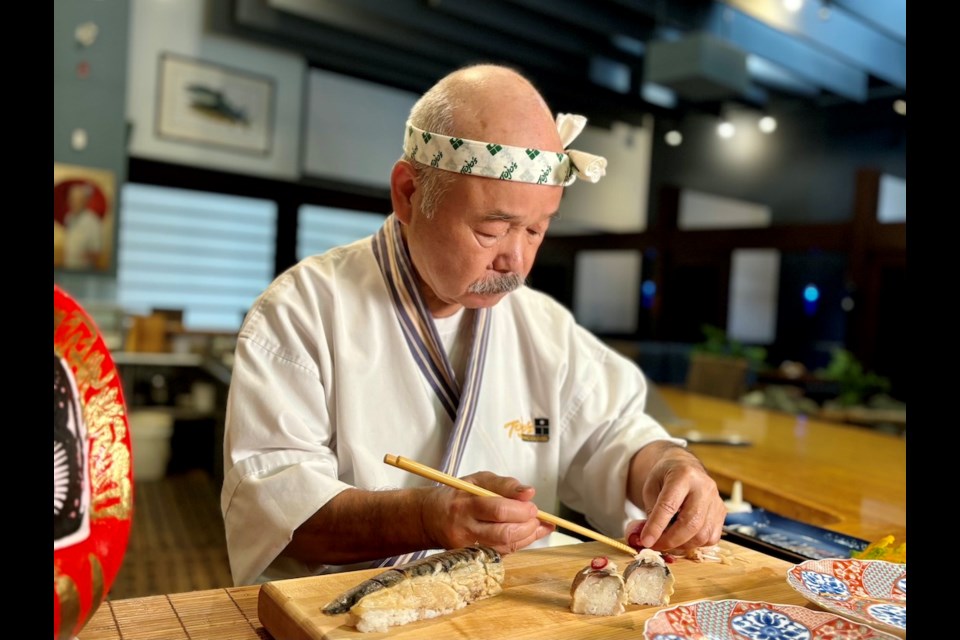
(423, 341)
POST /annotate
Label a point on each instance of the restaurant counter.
(841, 477)
(845, 478)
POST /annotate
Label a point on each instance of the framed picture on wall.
(84, 219)
(205, 103)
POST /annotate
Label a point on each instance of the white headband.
(505, 162)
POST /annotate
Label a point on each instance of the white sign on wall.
(606, 292)
(618, 203)
(707, 211)
(892, 199)
(754, 291)
(354, 128)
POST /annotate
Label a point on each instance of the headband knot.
(506, 162)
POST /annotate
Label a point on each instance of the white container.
(150, 432)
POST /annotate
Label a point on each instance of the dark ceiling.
(598, 57)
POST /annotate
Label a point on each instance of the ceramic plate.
(873, 591)
(742, 620)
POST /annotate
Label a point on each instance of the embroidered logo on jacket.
(536, 431)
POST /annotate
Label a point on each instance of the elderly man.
(422, 341)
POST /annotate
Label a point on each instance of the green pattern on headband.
(506, 162)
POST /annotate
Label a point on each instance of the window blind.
(322, 228)
(206, 253)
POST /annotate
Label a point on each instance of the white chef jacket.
(324, 386)
(84, 235)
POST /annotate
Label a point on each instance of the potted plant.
(862, 396)
(856, 384)
(720, 366)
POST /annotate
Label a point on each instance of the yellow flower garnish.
(883, 549)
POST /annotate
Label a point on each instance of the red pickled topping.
(669, 559)
(598, 563)
(634, 539)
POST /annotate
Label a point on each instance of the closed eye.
(486, 239)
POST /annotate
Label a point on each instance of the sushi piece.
(648, 579)
(422, 589)
(598, 590)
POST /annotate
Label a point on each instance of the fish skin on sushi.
(422, 589)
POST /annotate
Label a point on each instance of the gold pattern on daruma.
(103, 413)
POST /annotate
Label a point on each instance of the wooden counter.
(534, 604)
(846, 478)
(841, 477)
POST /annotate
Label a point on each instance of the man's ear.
(403, 184)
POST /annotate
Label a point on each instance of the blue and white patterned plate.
(744, 620)
(873, 591)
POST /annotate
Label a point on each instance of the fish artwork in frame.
(206, 103)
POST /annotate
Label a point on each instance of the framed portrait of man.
(84, 218)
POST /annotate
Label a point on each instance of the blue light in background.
(811, 294)
(647, 292)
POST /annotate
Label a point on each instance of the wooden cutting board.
(535, 600)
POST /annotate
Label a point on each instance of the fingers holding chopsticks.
(507, 522)
(550, 521)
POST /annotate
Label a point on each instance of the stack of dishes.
(863, 599)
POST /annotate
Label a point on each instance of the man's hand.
(684, 508)
(358, 525)
(453, 518)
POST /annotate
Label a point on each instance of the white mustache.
(497, 284)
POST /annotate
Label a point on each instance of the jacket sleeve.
(604, 426)
(279, 462)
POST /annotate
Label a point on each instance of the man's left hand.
(683, 505)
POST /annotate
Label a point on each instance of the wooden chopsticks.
(438, 476)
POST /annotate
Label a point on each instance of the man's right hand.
(454, 518)
(358, 525)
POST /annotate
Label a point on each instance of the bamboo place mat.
(200, 615)
(177, 541)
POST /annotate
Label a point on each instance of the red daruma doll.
(92, 469)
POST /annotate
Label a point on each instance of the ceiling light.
(767, 124)
(900, 106)
(726, 129)
(793, 5)
(673, 138)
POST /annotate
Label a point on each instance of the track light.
(726, 129)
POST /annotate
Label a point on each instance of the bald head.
(481, 102)
(497, 104)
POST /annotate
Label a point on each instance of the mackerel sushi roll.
(422, 589)
(598, 590)
(648, 579)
